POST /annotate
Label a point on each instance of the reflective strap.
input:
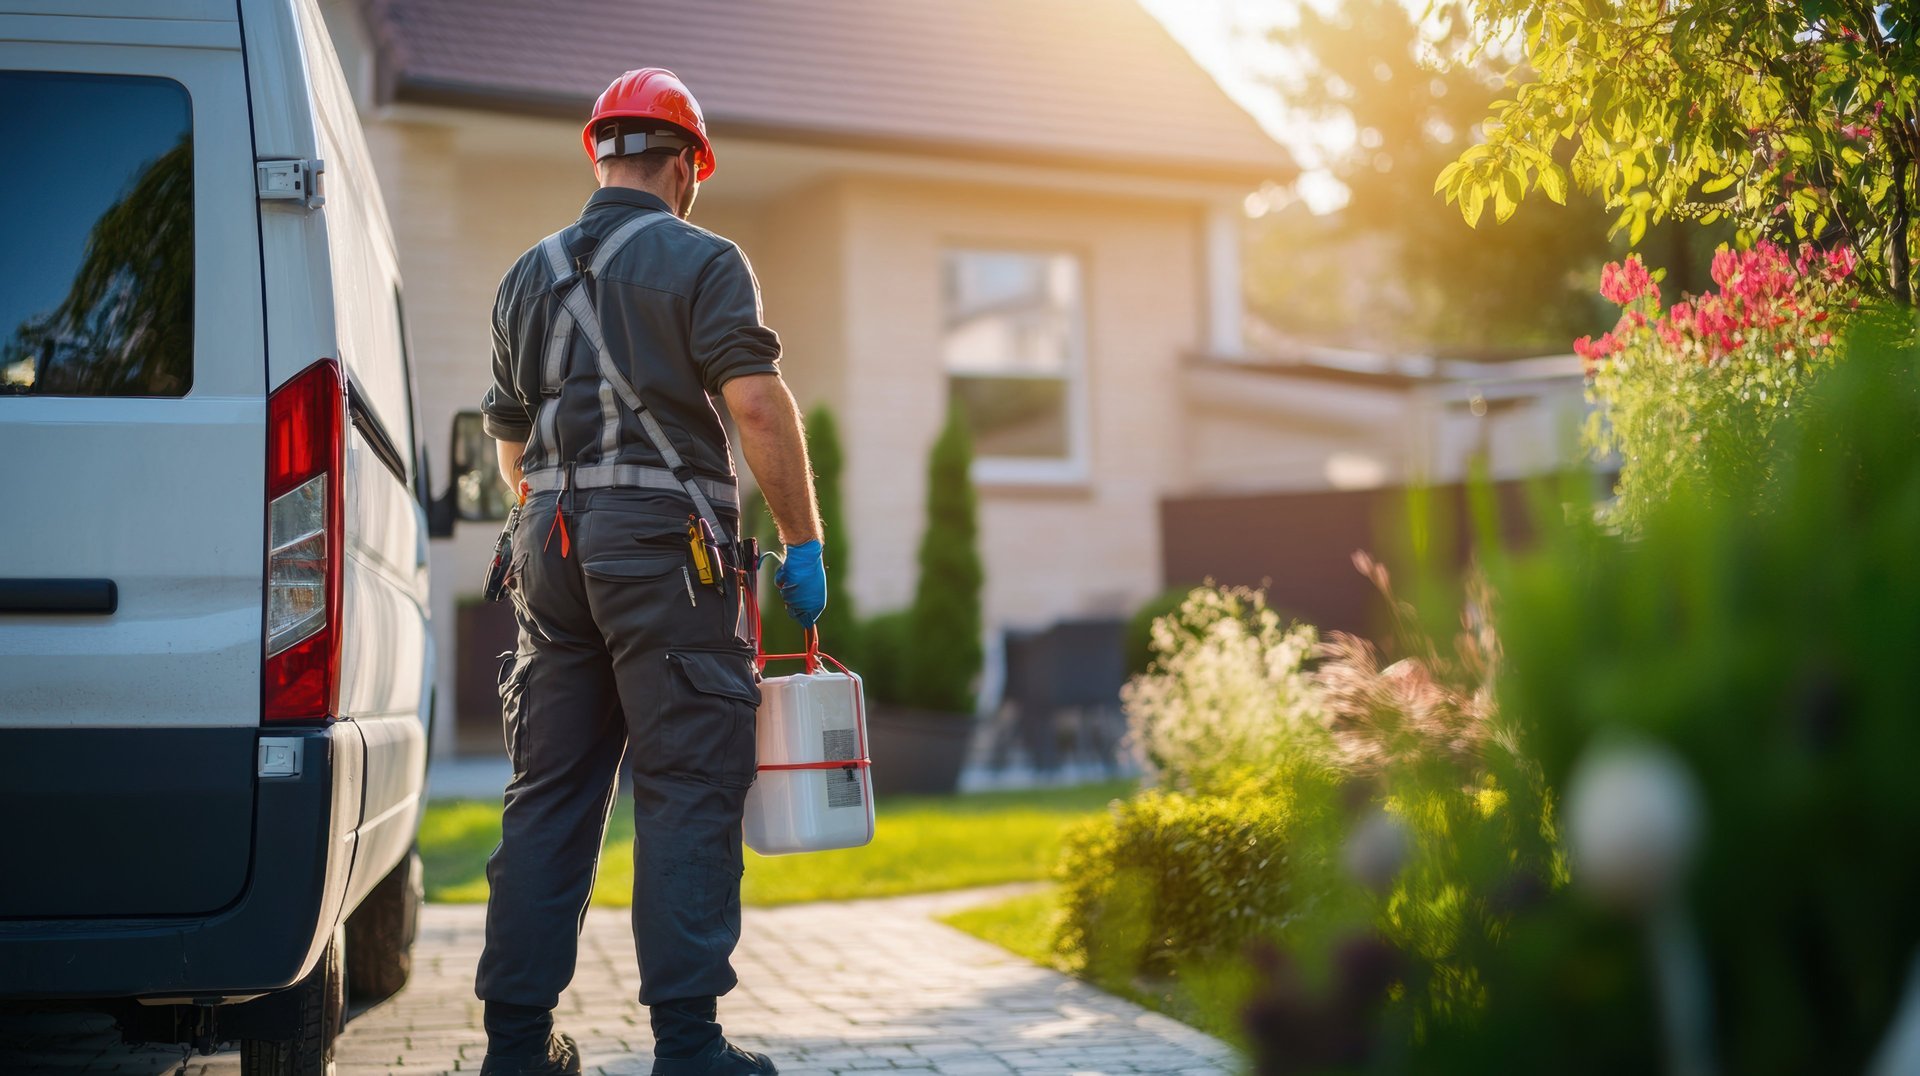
(577, 300)
(588, 322)
(611, 244)
(552, 373)
(553, 368)
(609, 424)
(631, 476)
(544, 446)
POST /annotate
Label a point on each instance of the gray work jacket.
(681, 312)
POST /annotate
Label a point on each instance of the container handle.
(813, 658)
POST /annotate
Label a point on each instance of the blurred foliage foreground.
(1662, 819)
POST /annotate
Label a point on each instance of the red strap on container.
(813, 657)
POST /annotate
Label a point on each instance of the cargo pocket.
(708, 726)
(513, 697)
(635, 566)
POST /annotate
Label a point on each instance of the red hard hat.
(653, 93)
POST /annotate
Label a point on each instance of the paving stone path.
(867, 987)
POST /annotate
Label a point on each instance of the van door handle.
(58, 596)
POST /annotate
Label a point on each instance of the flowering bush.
(1452, 786)
(1227, 694)
(1699, 387)
(1425, 708)
(1287, 756)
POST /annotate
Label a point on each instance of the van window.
(96, 202)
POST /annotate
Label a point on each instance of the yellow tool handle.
(702, 564)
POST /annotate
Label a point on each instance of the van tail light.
(306, 424)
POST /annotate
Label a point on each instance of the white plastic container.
(799, 802)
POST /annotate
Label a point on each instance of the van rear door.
(132, 460)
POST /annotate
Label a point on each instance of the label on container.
(843, 786)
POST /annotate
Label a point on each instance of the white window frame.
(1075, 467)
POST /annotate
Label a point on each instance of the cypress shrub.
(883, 656)
(944, 653)
(839, 634)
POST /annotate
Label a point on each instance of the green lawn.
(920, 846)
(1207, 996)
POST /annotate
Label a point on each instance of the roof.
(1093, 82)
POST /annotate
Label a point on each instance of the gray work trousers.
(614, 657)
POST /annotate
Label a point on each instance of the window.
(1012, 346)
(96, 202)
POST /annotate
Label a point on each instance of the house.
(1034, 206)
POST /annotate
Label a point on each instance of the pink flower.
(1624, 282)
(1726, 262)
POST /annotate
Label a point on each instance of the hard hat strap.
(613, 142)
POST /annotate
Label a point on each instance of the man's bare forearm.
(775, 448)
(509, 456)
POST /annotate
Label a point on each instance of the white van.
(215, 665)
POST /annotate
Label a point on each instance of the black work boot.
(521, 1042)
(687, 1041)
(561, 1057)
(720, 1058)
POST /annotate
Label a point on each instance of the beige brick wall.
(800, 257)
(1050, 551)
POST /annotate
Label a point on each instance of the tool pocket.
(514, 671)
(514, 585)
(635, 566)
(707, 727)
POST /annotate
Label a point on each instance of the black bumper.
(268, 937)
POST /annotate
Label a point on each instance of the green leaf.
(1717, 184)
(1447, 175)
(1553, 182)
(1473, 200)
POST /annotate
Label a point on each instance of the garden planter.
(917, 752)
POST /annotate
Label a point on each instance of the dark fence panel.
(1301, 545)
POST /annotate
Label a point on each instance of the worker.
(611, 340)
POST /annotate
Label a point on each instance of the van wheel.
(380, 933)
(322, 1000)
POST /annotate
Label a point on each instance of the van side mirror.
(476, 493)
(440, 517)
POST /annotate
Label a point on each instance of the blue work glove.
(802, 580)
